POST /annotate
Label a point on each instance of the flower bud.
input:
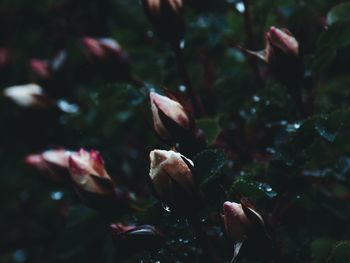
(172, 179)
(131, 239)
(53, 164)
(281, 40)
(40, 68)
(30, 95)
(4, 57)
(5, 65)
(108, 58)
(239, 220)
(282, 53)
(283, 56)
(105, 48)
(170, 119)
(165, 15)
(88, 172)
(93, 185)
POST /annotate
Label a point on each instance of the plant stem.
(194, 99)
(248, 25)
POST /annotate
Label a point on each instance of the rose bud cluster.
(132, 239)
(28, 96)
(92, 183)
(240, 220)
(172, 179)
(53, 164)
(166, 17)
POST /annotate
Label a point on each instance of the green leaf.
(340, 12)
(247, 188)
(329, 44)
(320, 141)
(340, 253)
(320, 248)
(211, 128)
(209, 164)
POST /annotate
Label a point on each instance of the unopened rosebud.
(172, 179)
(105, 48)
(278, 42)
(239, 220)
(53, 164)
(282, 54)
(166, 17)
(4, 57)
(108, 58)
(282, 40)
(88, 172)
(29, 95)
(40, 68)
(92, 183)
(170, 119)
(131, 239)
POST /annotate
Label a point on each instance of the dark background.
(270, 153)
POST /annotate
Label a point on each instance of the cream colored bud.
(171, 109)
(170, 171)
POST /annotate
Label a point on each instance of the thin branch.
(194, 99)
(248, 25)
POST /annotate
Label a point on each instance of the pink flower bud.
(238, 222)
(172, 178)
(283, 56)
(93, 185)
(40, 68)
(165, 15)
(88, 172)
(30, 95)
(105, 48)
(52, 164)
(107, 59)
(4, 57)
(166, 112)
(282, 40)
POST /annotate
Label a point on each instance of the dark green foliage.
(291, 164)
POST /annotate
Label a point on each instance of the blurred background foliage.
(297, 171)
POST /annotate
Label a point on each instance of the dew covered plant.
(175, 131)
